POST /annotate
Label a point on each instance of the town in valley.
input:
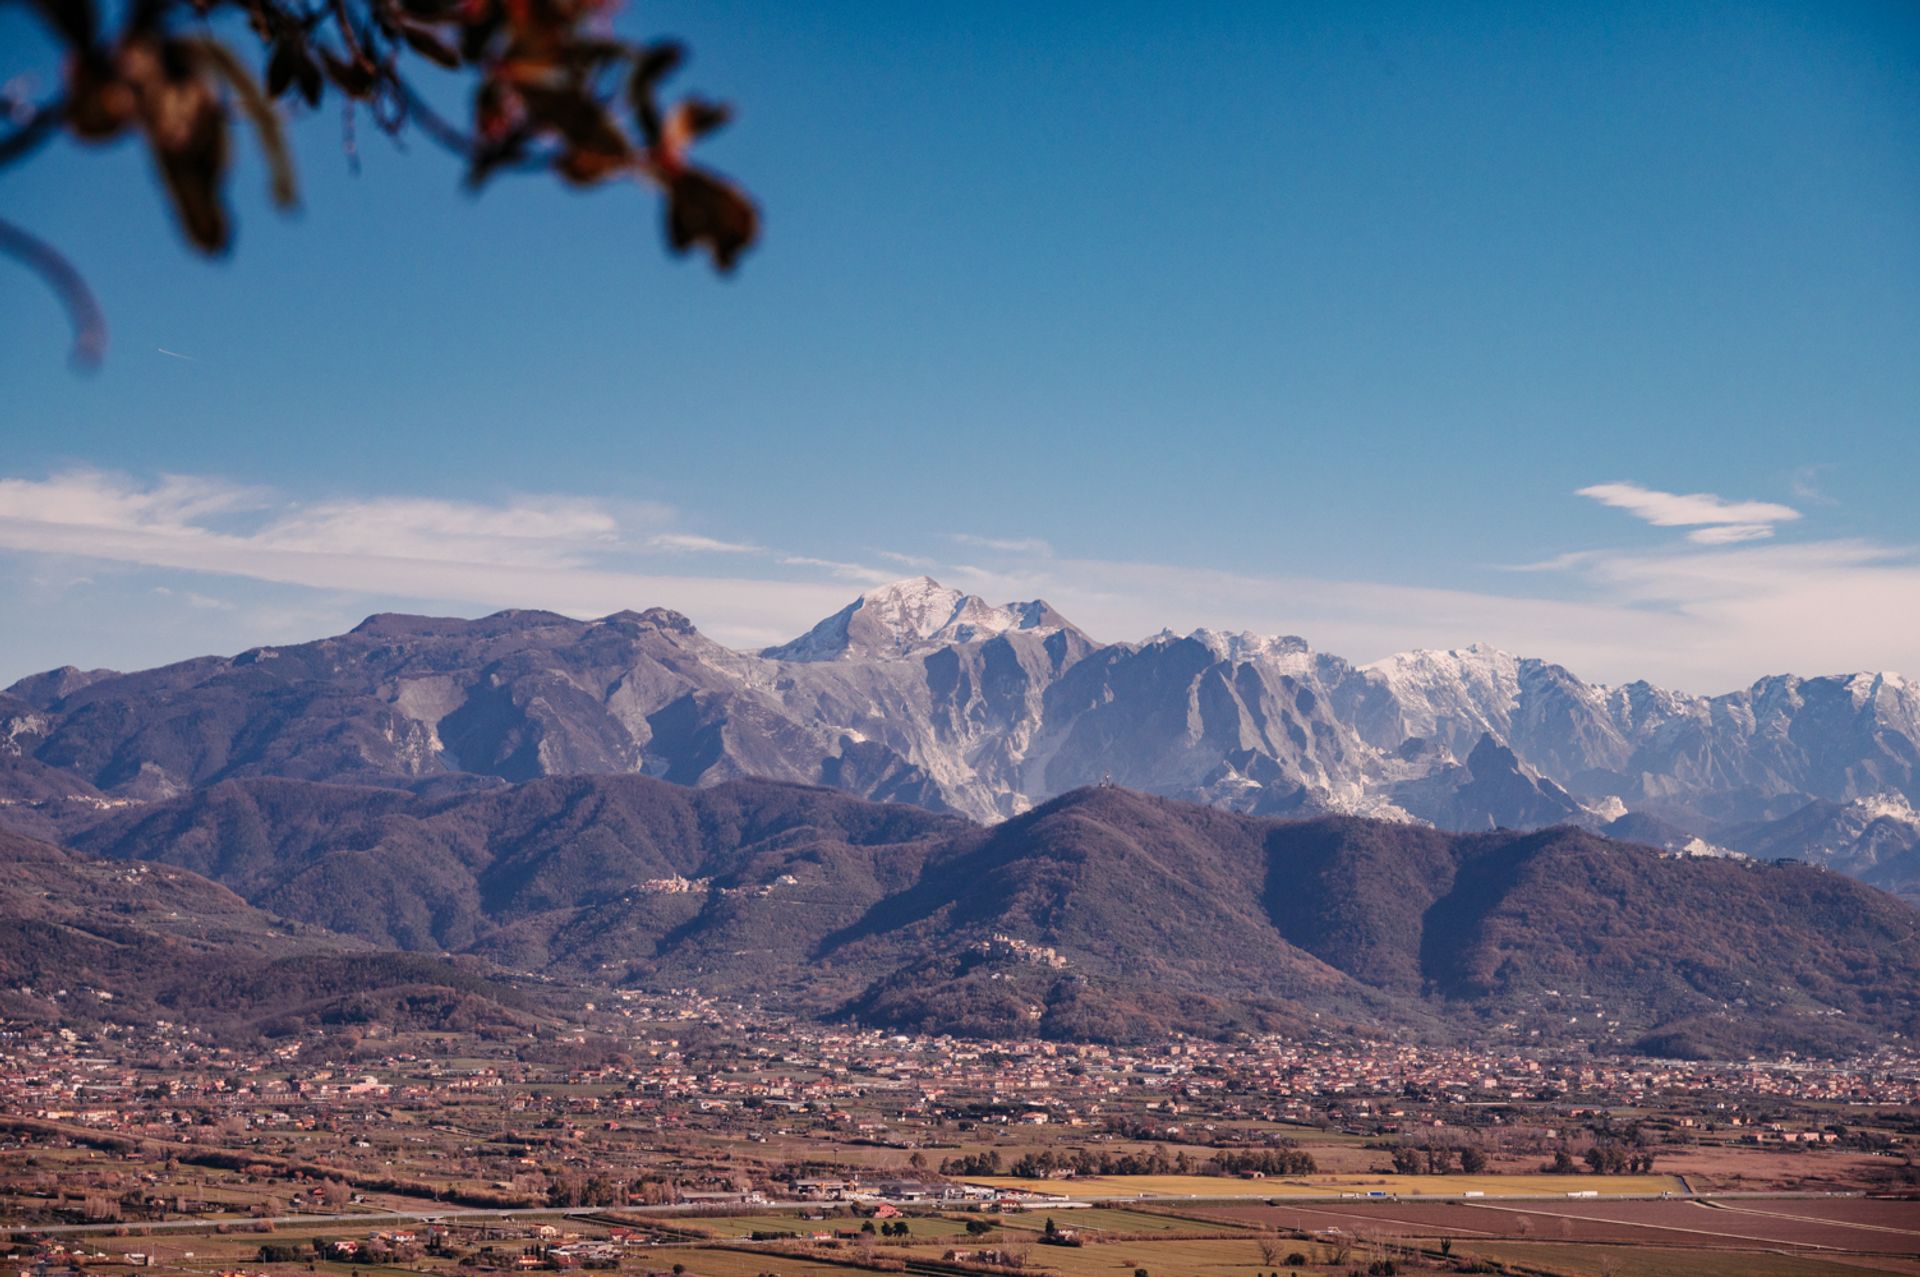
(678, 1133)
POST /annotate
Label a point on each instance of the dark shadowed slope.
(1103, 913)
(85, 940)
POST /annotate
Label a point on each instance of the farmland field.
(1843, 1224)
(1642, 1261)
(747, 1225)
(1106, 1220)
(1203, 1258)
(740, 1263)
(1123, 1186)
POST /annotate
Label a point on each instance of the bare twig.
(431, 122)
(266, 121)
(451, 137)
(89, 325)
(38, 127)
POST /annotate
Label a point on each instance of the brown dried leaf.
(703, 209)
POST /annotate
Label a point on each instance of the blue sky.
(1301, 318)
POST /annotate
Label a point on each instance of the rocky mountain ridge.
(920, 694)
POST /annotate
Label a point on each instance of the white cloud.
(1730, 533)
(1696, 620)
(93, 498)
(692, 543)
(847, 571)
(1006, 545)
(529, 531)
(1720, 521)
(563, 553)
(1700, 617)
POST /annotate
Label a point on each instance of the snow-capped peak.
(1475, 662)
(1284, 649)
(1475, 687)
(918, 606)
(1868, 685)
(896, 619)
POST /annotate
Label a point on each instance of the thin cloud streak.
(846, 571)
(1005, 545)
(692, 543)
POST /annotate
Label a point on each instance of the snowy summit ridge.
(898, 619)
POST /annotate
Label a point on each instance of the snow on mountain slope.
(911, 615)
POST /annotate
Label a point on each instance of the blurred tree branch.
(552, 90)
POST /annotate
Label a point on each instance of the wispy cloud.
(847, 571)
(569, 554)
(1705, 619)
(1804, 483)
(1698, 615)
(1717, 521)
(692, 543)
(528, 531)
(1005, 545)
(193, 598)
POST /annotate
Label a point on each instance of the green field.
(747, 1225)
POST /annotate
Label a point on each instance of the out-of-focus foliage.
(551, 90)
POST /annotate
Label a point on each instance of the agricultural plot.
(1222, 1186)
(1372, 1219)
(1208, 1257)
(714, 1262)
(1104, 1220)
(1641, 1261)
(747, 1225)
(1838, 1225)
(739, 1226)
(1864, 1212)
(1731, 1224)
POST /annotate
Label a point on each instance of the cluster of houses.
(780, 1081)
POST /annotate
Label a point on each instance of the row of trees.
(1603, 1157)
(1048, 1163)
(1437, 1159)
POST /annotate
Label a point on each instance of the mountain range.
(1102, 914)
(927, 696)
(934, 812)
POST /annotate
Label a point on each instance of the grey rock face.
(921, 694)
